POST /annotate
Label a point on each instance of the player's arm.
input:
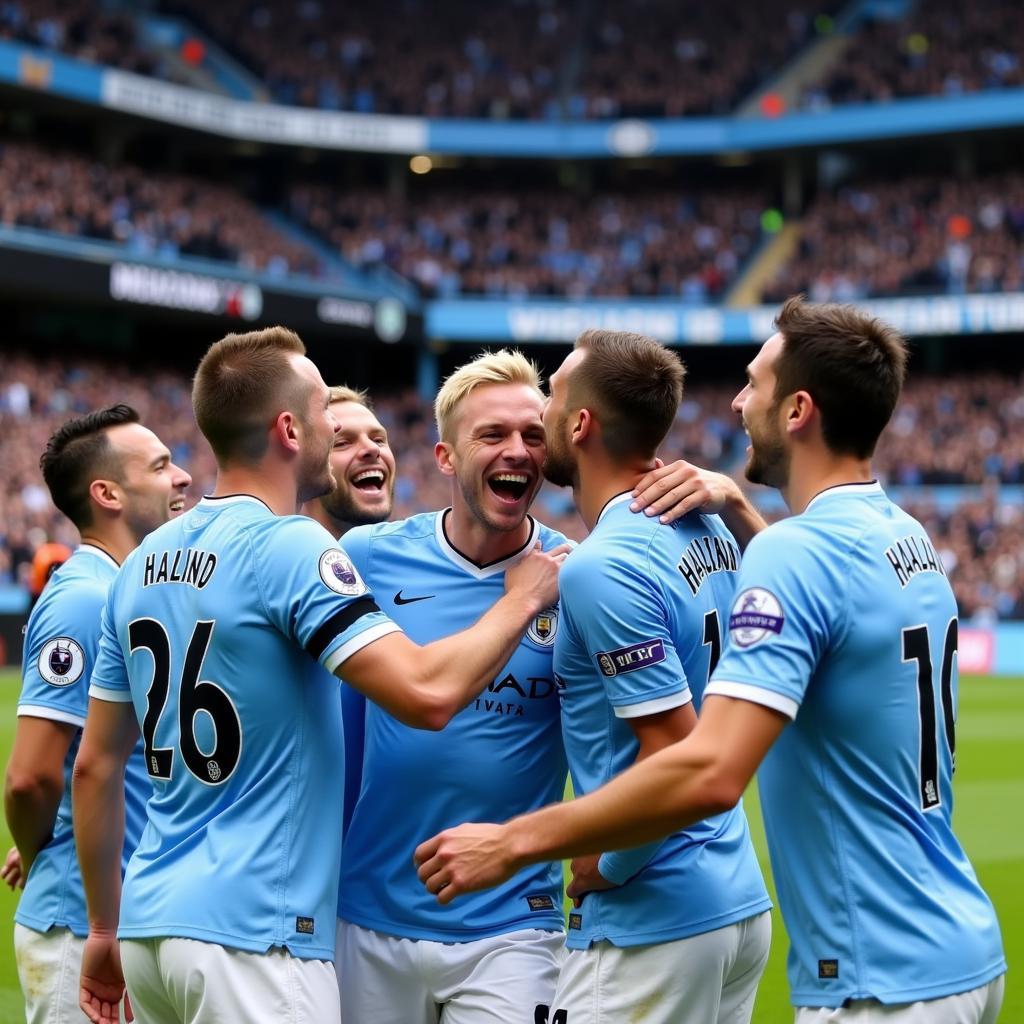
(704, 774)
(34, 784)
(604, 871)
(425, 686)
(111, 731)
(674, 490)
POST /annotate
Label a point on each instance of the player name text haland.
(703, 557)
(912, 555)
(187, 565)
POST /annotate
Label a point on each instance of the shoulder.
(74, 598)
(415, 527)
(552, 538)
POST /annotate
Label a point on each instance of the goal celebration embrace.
(281, 754)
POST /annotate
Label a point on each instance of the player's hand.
(535, 576)
(464, 859)
(586, 878)
(12, 872)
(674, 490)
(102, 985)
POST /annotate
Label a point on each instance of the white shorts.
(49, 965)
(978, 1006)
(190, 982)
(507, 979)
(709, 978)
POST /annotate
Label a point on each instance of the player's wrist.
(523, 604)
(519, 843)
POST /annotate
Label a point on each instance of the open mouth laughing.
(510, 488)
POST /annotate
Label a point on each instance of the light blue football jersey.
(61, 642)
(844, 620)
(501, 755)
(642, 613)
(216, 629)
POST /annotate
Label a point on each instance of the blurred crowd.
(151, 214)
(550, 59)
(680, 58)
(81, 28)
(949, 430)
(914, 235)
(458, 59)
(686, 244)
(942, 48)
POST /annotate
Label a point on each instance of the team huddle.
(206, 831)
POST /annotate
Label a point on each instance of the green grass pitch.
(989, 796)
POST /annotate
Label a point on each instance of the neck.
(810, 473)
(479, 543)
(315, 510)
(598, 480)
(114, 537)
(273, 485)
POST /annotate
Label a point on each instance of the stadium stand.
(941, 48)
(947, 431)
(686, 243)
(81, 29)
(157, 214)
(930, 234)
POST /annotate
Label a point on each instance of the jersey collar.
(467, 564)
(871, 487)
(612, 503)
(222, 500)
(91, 549)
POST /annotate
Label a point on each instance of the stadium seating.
(159, 214)
(688, 243)
(910, 235)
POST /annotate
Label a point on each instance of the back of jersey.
(642, 606)
(216, 624)
(846, 612)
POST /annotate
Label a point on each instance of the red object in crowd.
(773, 105)
(193, 51)
(45, 561)
(958, 226)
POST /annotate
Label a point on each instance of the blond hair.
(343, 393)
(506, 366)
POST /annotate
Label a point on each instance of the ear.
(443, 457)
(584, 426)
(286, 431)
(799, 412)
(106, 494)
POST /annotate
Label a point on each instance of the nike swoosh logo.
(411, 600)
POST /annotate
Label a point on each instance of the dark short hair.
(78, 453)
(633, 384)
(241, 383)
(851, 364)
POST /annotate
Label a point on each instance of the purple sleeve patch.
(629, 659)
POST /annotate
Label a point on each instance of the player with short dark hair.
(115, 480)
(839, 681)
(215, 631)
(679, 927)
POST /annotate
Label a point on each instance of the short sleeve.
(621, 621)
(313, 592)
(356, 543)
(60, 653)
(110, 678)
(780, 623)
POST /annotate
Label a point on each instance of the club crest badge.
(756, 614)
(61, 661)
(338, 573)
(544, 627)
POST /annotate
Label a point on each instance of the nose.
(180, 477)
(738, 401)
(515, 447)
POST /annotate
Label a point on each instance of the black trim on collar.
(494, 561)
